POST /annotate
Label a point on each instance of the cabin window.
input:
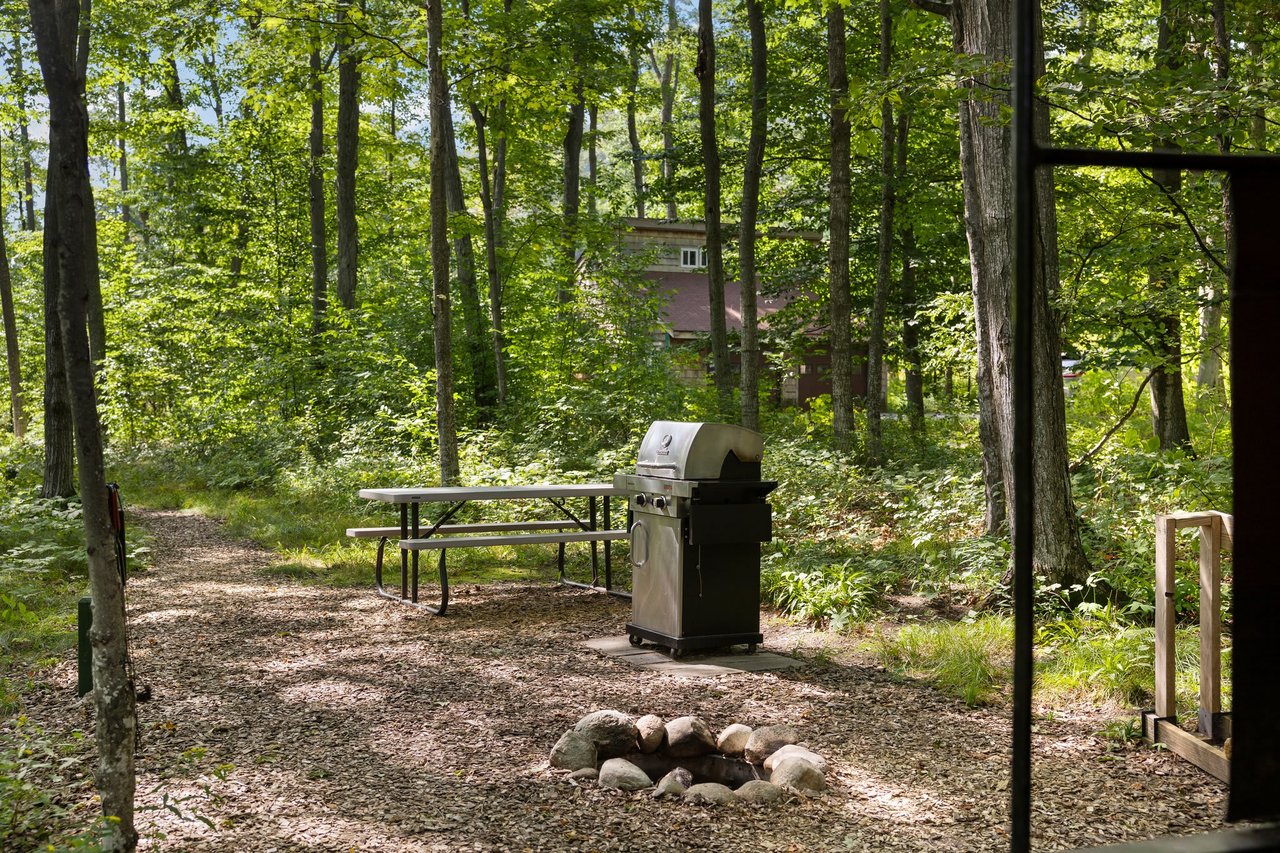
(691, 258)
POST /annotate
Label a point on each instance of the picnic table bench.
(415, 535)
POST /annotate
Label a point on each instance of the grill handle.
(639, 528)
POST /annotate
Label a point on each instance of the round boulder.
(574, 751)
(767, 740)
(674, 783)
(710, 792)
(652, 732)
(623, 775)
(688, 737)
(612, 732)
(733, 740)
(798, 775)
(792, 750)
(759, 792)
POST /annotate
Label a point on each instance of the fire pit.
(697, 516)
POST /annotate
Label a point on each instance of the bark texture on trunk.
(347, 143)
(315, 194)
(446, 421)
(16, 405)
(982, 29)
(914, 373)
(706, 74)
(483, 383)
(59, 434)
(884, 267)
(750, 207)
(1168, 406)
(62, 60)
(838, 260)
(633, 137)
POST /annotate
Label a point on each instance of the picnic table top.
(489, 493)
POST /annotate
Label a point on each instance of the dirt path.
(294, 718)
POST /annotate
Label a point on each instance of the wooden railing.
(1205, 747)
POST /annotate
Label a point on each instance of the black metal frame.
(1256, 292)
(410, 528)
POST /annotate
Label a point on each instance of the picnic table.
(416, 535)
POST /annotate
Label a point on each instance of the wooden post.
(1210, 627)
(1166, 560)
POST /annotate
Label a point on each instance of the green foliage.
(971, 660)
(34, 768)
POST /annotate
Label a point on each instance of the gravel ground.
(295, 718)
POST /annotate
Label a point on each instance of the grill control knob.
(659, 502)
(641, 500)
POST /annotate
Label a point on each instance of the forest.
(257, 255)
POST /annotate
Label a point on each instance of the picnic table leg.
(595, 550)
(404, 557)
(608, 556)
(414, 523)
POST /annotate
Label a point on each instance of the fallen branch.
(1093, 451)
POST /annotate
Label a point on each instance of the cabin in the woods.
(677, 266)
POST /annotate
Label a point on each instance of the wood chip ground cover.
(295, 718)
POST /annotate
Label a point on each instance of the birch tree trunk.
(750, 206)
(123, 154)
(446, 420)
(706, 74)
(63, 61)
(840, 345)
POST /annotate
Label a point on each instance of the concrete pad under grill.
(692, 664)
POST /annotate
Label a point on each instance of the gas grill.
(697, 515)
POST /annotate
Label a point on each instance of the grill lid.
(700, 451)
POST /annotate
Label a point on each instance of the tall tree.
(914, 373)
(347, 142)
(839, 338)
(633, 135)
(750, 207)
(59, 430)
(315, 192)
(62, 43)
(24, 134)
(884, 267)
(1209, 375)
(572, 196)
(668, 73)
(705, 71)
(446, 419)
(1168, 406)
(982, 33)
(16, 407)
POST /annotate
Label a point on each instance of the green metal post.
(84, 622)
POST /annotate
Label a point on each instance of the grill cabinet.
(697, 515)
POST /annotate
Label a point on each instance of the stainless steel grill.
(697, 515)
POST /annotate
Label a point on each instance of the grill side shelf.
(726, 524)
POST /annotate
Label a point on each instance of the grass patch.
(970, 660)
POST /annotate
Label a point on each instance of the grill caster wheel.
(634, 639)
(677, 653)
(751, 648)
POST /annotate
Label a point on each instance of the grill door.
(656, 601)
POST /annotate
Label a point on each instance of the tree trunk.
(907, 294)
(593, 117)
(981, 29)
(750, 206)
(492, 241)
(315, 193)
(446, 423)
(884, 268)
(347, 143)
(124, 154)
(24, 135)
(840, 345)
(59, 435)
(633, 137)
(483, 384)
(1209, 375)
(572, 192)
(16, 406)
(173, 92)
(1168, 409)
(668, 78)
(63, 63)
(706, 74)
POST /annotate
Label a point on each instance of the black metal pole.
(1024, 222)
